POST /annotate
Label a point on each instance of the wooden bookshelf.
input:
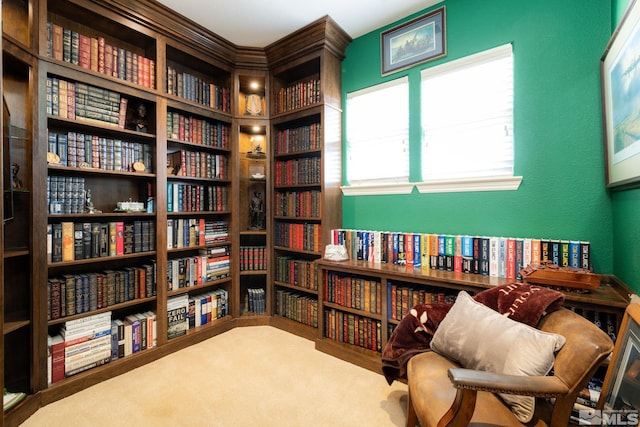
(18, 293)
(607, 302)
(305, 107)
(187, 91)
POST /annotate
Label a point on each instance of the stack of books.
(12, 399)
(87, 342)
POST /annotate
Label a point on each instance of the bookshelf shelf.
(11, 326)
(114, 307)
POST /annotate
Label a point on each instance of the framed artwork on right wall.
(620, 81)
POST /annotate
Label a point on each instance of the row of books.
(210, 264)
(353, 292)
(298, 204)
(300, 308)
(256, 301)
(298, 95)
(65, 194)
(185, 312)
(183, 197)
(192, 232)
(297, 272)
(91, 341)
(72, 241)
(305, 237)
(78, 149)
(253, 258)
(193, 88)
(585, 404)
(94, 53)
(487, 255)
(304, 171)
(304, 138)
(198, 131)
(73, 294)
(71, 100)
(401, 298)
(198, 164)
(353, 329)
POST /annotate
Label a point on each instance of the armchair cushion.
(482, 339)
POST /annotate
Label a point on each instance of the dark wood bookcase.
(19, 133)
(187, 134)
(306, 120)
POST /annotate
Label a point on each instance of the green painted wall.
(558, 127)
(626, 207)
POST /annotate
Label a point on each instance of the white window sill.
(492, 183)
(377, 189)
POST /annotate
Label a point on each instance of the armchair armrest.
(537, 386)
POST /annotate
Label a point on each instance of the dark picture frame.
(620, 84)
(621, 387)
(419, 40)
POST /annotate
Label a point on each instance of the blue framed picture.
(419, 40)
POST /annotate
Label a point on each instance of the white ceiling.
(258, 23)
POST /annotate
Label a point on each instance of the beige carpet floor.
(251, 376)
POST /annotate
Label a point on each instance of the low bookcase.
(360, 303)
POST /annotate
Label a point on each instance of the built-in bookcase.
(306, 172)
(137, 198)
(363, 302)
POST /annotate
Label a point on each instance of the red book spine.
(57, 361)
(119, 238)
(511, 259)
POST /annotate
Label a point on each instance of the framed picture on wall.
(419, 40)
(620, 79)
(621, 388)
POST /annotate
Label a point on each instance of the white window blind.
(467, 117)
(378, 133)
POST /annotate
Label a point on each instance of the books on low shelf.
(207, 307)
(485, 255)
(296, 306)
(256, 301)
(91, 341)
(86, 344)
(177, 316)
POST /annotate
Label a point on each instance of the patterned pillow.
(482, 339)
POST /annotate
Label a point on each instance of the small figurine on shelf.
(88, 203)
(140, 122)
(256, 212)
(16, 183)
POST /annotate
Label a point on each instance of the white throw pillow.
(482, 339)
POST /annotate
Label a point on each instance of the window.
(467, 120)
(378, 134)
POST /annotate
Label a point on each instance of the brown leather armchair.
(443, 394)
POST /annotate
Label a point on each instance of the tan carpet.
(250, 376)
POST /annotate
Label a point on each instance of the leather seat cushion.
(433, 395)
